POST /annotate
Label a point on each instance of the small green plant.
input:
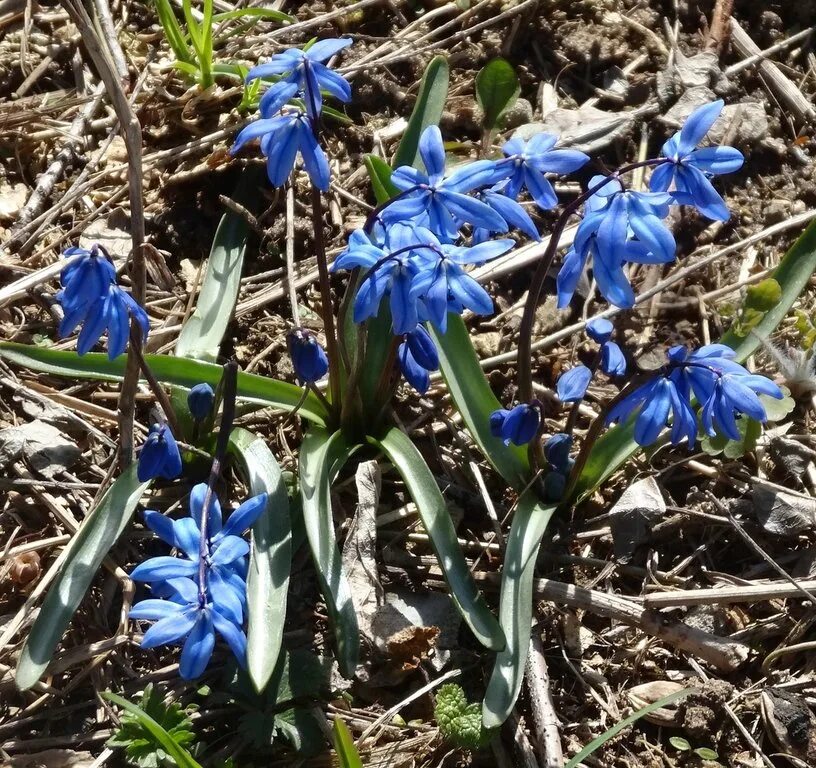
(152, 733)
(759, 300)
(459, 720)
(704, 753)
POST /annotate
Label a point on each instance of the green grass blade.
(207, 45)
(433, 91)
(344, 746)
(172, 30)
(617, 444)
(516, 607)
(270, 561)
(80, 562)
(596, 744)
(321, 455)
(433, 511)
(475, 400)
(168, 370)
(181, 757)
(497, 89)
(201, 334)
(192, 29)
(257, 13)
(380, 174)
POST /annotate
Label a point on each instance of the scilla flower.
(200, 401)
(159, 456)
(516, 425)
(308, 358)
(417, 356)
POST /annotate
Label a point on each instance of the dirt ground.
(614, 75)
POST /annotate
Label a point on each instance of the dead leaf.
(112, 233)
(12, 199)
(412, 644)
(783, 514)
(631, 518)
(52, 758)
(43, 447)
(642, 695)
(790, 723)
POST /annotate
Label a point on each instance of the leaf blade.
(422, 486)
(270, 560)
(380, 174)
(81, 560)
(497, 88)
(344, 746)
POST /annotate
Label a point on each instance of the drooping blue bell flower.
(200, 401)
(308, 358)
(159, 456)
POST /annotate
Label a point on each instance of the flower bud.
(200, 401)
(308, 358)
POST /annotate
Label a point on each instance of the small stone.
(776, 210)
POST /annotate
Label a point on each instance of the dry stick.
(132, 135)
(717, 40)
(55, 171)
(108, 33)
(788, 42)
(545, 719)
(749, 593)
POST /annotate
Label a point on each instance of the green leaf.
(258, 13)
(321, 454)
(596, 744)
(380, 173)
(301, 729)
(515, 607)
(615, 446)
(80, 560)
(475, 400)
(763, 296)
(460, 721)
(168, 370)
(497, 89)
(679, 743)
(201, 335)
(181, 756)
(433, 91)
(140, 746)
(172, 30)
(344, 746)
(704, 753)
(408, 461)
(270, 559)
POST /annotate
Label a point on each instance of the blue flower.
(90, 297)
(282, 137)
(308, 358)
(600, 329)
(619, 226)
(525, 164)
(518, 425)
(200, 401)
(185, 618)
(689, 168)
(557, 452)
(572, 385)
(716, 380)
(437, 201)
(512, 213)
(613, 363)
(159, 456)
(224, 550)
(303, 72)
(418, 356)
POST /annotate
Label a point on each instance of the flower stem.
(229, 390)
(153, 382)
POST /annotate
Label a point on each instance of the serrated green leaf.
(168, 370)
(380, 174)
(430, 103)
(270, 560)
(321, 455)
(80, 561)
(460, 721)
(497, 89)
(344, 746)
(475, 400)
(433, 512)
(181, 756)
(201, 335)
(515, 607)
(596, 744)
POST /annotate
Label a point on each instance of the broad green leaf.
(615, 446)
(80, 562)
(596, 744)
(497, 89)
(380, 173)
(201, 335)
(181, 756)
(433, 91)
(322, 454)
(258, 13)
(270, 560)
(475, 400)
(344, 746)
(515, 607)
(168, 370)
(408, 461)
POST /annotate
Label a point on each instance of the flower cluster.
(91, 297)
(572, 385)
(286, 130)
(204, 590)
(415, 253)
(622, 226)
(725, 389)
